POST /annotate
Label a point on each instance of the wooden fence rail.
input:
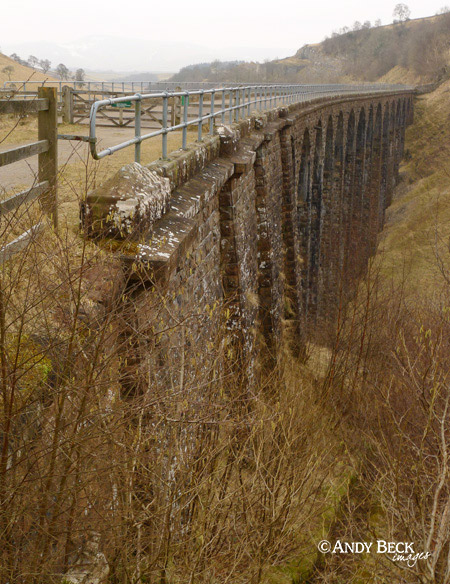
(76, 107)
(46, 148)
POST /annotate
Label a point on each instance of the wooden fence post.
(48, 161)
(67, 105)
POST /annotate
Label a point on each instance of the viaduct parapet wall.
(270, 219)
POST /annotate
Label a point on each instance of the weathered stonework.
(272, 218)
(128, 204)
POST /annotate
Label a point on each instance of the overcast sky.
(279, 27)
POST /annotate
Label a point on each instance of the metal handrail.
(123, 86)
(241, 101)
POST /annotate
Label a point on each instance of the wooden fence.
(46, 147)
(76, 106)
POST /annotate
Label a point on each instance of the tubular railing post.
(223, 107)
(164, 124)
(137, 130)
(211, 119)
(200, 116)
(241, 99)
(185, 117)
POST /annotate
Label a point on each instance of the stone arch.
(410, 117)
(315, 212)
(304, 174)
(355, 234)
(397, 142)
(404, 112)
(349, 171)
(366, 193)
(331, 291)
(403, 128)
(384, 166)
(328, 224)
(375, 186)
(391, 156)
(303, 216)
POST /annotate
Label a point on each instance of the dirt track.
(23, 173)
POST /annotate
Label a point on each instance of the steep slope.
(20, 72)
(415, 242)
(420, 47)
(414, 52)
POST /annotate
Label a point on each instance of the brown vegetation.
(104, 465)
(199, 474)
(388, 376)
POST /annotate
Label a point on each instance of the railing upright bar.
(223, 107)
(211, 119)
(243, 99)
(137, 131)
(200, 116)
(185, 118)
(164, 125)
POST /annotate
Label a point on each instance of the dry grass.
(21, 72)
(78, 172)
(399, 74)
(83, 174)
(418, 221)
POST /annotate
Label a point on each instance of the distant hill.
(97, 52)
(21, 72)
(415, 51)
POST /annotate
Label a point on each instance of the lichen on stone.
(129, 203)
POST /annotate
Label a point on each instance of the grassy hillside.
(20, 72)
(388, 376)
(416, 237)
(420, 47)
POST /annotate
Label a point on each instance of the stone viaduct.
(264, 225)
